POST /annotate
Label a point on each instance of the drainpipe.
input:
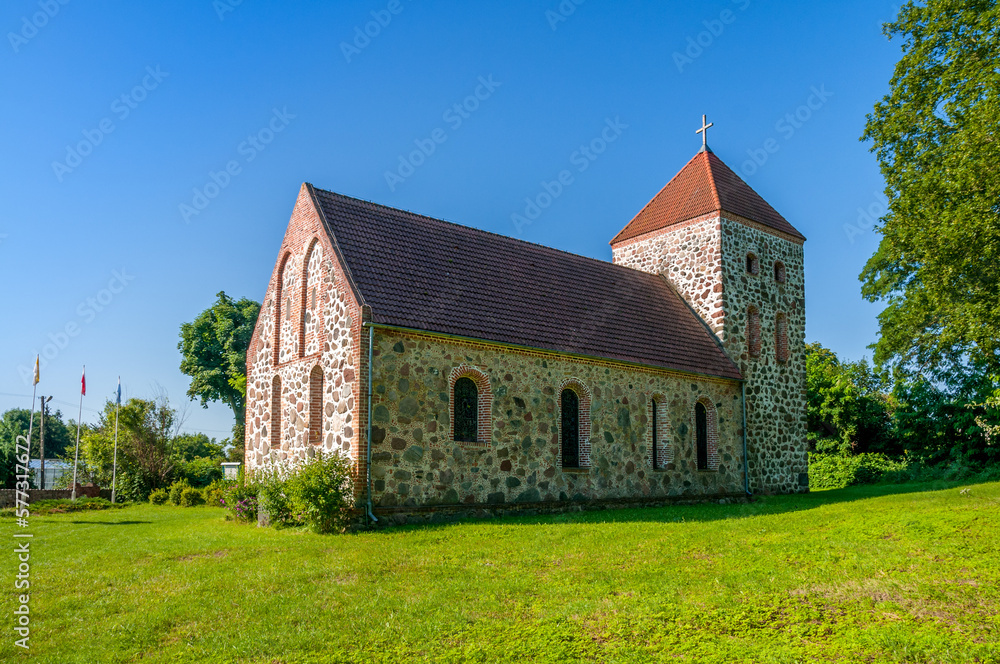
(746, 463)
(368, 464)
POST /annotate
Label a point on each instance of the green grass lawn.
(871, 574)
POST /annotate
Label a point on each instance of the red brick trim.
(712, 420)
(659, 450)
(780, 274)
(484, 426)
(583, 392)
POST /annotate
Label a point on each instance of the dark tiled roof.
(427, 274)
(705, 185)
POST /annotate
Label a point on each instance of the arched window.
(316, 406)
(570, 430)
(753, 331)
(471, 407)
(701, 434)
(779, 272)
(466, 410)
(276, 413)
(781, 338)
(753, 265)
(659, 440)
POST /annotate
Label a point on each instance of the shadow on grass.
(110, 523)
(759, 505)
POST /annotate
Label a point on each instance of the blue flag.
(119, 399)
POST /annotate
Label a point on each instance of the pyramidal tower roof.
(704, 186)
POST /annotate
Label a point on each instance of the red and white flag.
(83, 382)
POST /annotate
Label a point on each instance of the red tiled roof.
(705, 185)
(432, 275)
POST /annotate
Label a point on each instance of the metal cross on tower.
(704, 131)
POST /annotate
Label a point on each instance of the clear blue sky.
(161, 95)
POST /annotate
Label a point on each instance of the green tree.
(937, 138)
(849, 408)
(145, 430)
(214, 353)
(14, 423)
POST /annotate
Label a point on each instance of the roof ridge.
(711, 179)
(480, 230)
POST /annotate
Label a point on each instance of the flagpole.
(76, 453)
(31, 418)
(114, 468)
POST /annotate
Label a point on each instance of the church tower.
(739, 264)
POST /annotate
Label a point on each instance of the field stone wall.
(776, 390)
(415, 463)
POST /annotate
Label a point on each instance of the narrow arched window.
(570, 431)
(655, 425)
(753, 265)
(781, 338)
(701, 433)
(779, 272)
(466, 410)
(753, 331)
(276, 413)
(316, 406)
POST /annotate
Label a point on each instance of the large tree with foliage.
(849, 407)
(937, 137)
(214, 353)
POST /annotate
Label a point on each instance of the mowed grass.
(872, 574)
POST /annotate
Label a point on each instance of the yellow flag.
(36, 371)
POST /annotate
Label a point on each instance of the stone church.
(468, 372)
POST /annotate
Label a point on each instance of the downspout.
(746, 463)
(368, 460)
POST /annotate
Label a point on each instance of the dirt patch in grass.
(221, 553)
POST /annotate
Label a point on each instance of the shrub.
(273, 498)
(176, 489)
(241, 501)
(836, 471)
(63, 505)
(191, 497)
(159, 497)
(320, 492)
(215, 493)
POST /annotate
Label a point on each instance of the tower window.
(753, 331)
(753, 265)
(779, 272)
(781, 340)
